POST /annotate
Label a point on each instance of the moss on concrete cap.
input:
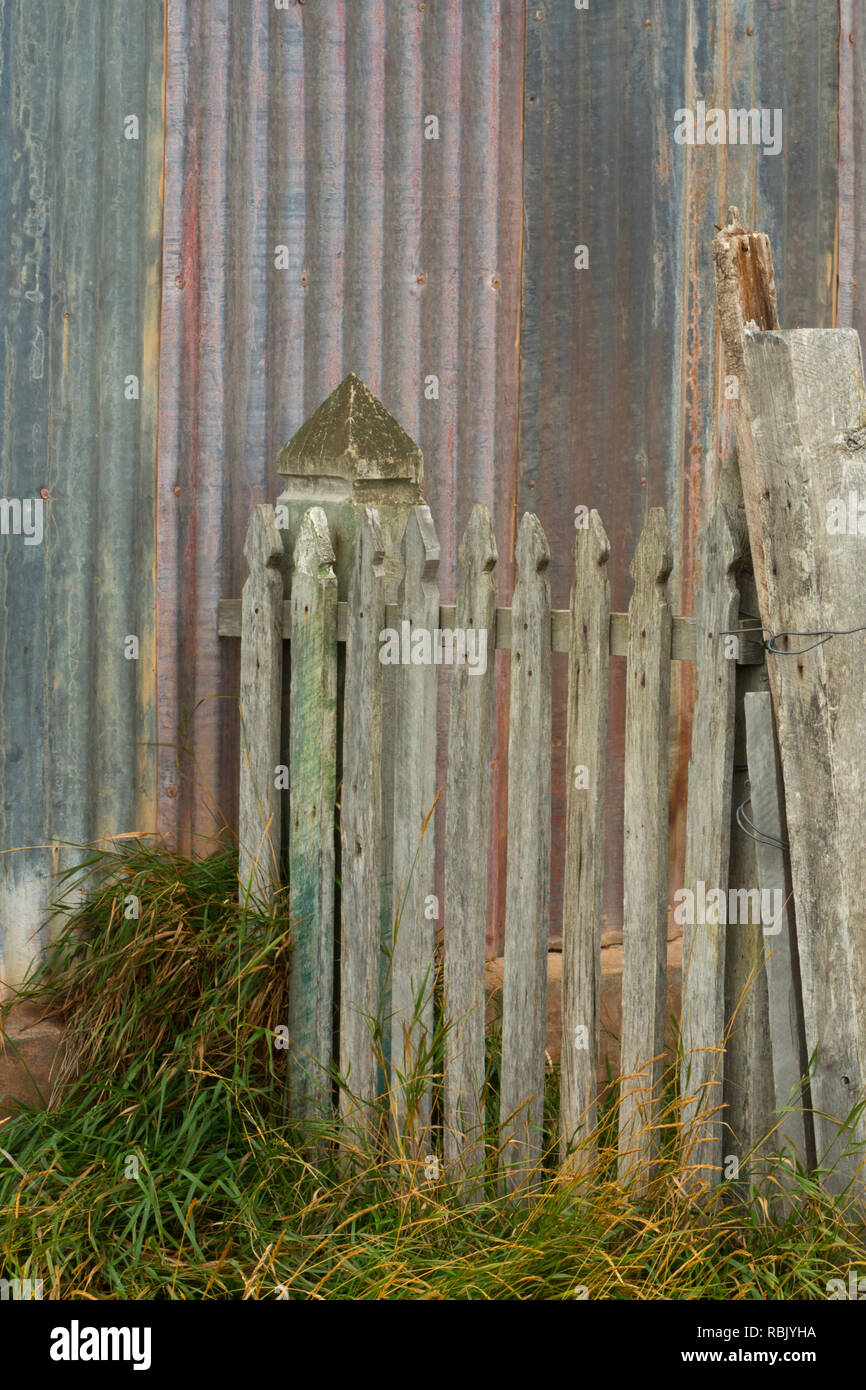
(353, 436)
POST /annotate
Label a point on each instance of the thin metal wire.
(822, 634)
(749, 828)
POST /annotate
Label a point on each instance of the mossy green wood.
(313, 763)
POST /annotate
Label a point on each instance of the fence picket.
(467, 822)
(708, 844)
(313, 761)
(583, 887)
(645, 855)
(414, 792)
(527, 891)
(361, 827)
(260, 695)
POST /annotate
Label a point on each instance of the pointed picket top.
(314, 554)
(653, 555)
(592, 539)
(420, 551)
(477, 549)
(263, 547)
(533, 552)
(352, 436)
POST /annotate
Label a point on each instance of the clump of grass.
(163, 1166)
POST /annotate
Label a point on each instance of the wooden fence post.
(807, 410)
(467, 820)
(313, 761)
(527, 891)
(260, 695)
(361, 829)
(645, 859)
(583, 889)
(412, 962)
(708, 844)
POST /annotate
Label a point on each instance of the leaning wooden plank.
(260, 695)
(467, 821)
(708, 846)
(414, 923)
(583, 888)
(527, 887)
(748, 1092)
(361, 829)
(787, 1035)
(313, 761)
(645, 856)
(808, 408)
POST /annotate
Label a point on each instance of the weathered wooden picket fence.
(383, 775)
(343, 577)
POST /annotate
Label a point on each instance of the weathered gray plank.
(260, 695)
(412, 961)
(787, 1036)
(682, 636)
(313, 761)
(645, 857)
(467, 820)
(527, 888)
(708, 843)
(583, 888)
(748, 1091)
(807, 407)
(361, 827)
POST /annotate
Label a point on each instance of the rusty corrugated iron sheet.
(405, 258)
(80, 238)
(305, 129)
(620, 368)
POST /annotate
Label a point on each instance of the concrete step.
(29, 1048)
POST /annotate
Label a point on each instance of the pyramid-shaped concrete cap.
(352, 435)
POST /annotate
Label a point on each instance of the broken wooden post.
(527, 889)
(807, 410)
(260, 695)
(583, 888)
(799, 422)
(313, 760)
(645, 854)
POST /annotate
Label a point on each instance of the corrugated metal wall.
(305, 128)
(80, 241)
(407, 257)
